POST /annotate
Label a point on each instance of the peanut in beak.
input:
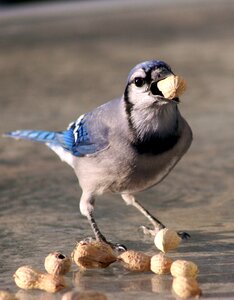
(172, 86)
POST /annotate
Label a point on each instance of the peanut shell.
(28, 278)
(160, 264)
(166, 240)
(172, 86)
(90, 255)
(185, 287)
(184, 268)
(135, 261)
(57, 263)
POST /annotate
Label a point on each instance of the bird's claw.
(115, 246)
(148, 231)
(152, 232)
(183, 235)
(118, 247)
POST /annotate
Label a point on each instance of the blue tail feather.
(35, 135)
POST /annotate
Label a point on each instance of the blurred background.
(60, 59)
(20, 2)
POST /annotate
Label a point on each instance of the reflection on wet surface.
(54, 69)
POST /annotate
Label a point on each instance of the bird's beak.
(155, 84)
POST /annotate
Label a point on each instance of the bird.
(124, 146)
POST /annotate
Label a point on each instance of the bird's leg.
(86, 208)
(98, 235)
(130, 200)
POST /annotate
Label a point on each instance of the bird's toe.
(118, 247)
(183, 235)
(148, 231)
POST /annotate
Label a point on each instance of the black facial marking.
(151, 143)
(128, 106)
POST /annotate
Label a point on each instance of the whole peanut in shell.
(135, 261)
(160, 264)
(166, 240)
(90, 255)
(57, 263)
(184, 268)
(28, 278)
(172, 86)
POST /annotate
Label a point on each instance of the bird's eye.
(139, 81)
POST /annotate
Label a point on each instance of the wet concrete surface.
(58, 64)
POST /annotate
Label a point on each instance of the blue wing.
(82, 137)
(85, 136)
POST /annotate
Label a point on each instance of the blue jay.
(124, 146)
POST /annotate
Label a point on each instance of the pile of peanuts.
(56, 264)
(95, 254)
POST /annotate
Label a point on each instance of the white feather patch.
(77, 125)
(63, 154)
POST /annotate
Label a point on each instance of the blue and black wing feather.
(34, 135)
(76, 139)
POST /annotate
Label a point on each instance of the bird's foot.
(149, 231)
(152, 232)
(115, 246)
(183, 235)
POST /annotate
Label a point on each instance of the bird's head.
(150, 111)
(142, 90)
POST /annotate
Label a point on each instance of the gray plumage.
(126, 145)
